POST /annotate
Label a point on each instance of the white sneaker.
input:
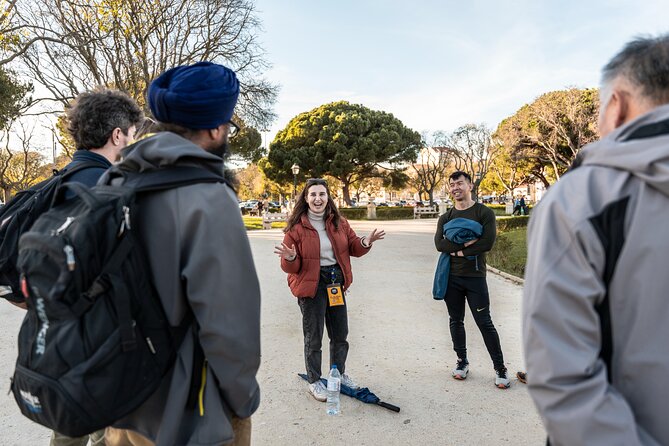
(318, 391)
(461, 369)
(502, 380)
(348, 382)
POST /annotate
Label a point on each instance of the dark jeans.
(316, 311)
(475, 291)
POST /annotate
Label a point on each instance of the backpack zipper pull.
(64, 226)
(126, 216)
(69, 255)
(125, 224)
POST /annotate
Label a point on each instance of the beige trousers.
(123, 437)
(97, 439)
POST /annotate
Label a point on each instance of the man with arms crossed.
(467, 277)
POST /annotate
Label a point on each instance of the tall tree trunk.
(345, 189)
(6, 194)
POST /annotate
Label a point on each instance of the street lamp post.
(296, 169)
(264, 134)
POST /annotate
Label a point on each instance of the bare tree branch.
(70, 46)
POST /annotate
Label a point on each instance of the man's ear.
(215, 134)
(212, 134)
(620, 107)
(116, 136)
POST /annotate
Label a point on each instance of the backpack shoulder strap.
(69, 171)
(170, 178)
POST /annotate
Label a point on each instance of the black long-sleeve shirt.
(461, 266)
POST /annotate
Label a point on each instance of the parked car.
(250, 206)
(274, 207)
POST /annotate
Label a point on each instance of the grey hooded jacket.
(596, 298)
(200, 258)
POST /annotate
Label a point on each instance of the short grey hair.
(644, 62)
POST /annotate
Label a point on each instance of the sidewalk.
(400, 349)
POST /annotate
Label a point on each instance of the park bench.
(268, 218)
(429, 211)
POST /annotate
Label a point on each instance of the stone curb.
(511, 277)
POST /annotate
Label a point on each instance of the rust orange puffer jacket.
(304, 271)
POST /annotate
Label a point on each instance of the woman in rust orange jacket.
(316, 253)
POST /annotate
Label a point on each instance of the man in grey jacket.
(596, 310)
(200, 259)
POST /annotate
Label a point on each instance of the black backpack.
(17, 216)
(95, 342)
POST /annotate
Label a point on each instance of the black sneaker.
(461, 369)
(502, 380)
(522, 377)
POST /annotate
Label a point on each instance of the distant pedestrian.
(519, 208)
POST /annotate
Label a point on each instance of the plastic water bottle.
(334, 384)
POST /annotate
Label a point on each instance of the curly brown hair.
(93, 115)
(301, 206)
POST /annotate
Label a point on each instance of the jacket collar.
(304, 219)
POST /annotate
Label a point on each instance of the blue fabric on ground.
(458, 230)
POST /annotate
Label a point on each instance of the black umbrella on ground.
(362, 394)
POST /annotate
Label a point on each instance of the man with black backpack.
(101, 123)
(201, 264)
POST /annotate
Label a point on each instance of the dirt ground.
(399, 347)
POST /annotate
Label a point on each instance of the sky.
(437, 65)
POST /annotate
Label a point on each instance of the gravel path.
(400, 349)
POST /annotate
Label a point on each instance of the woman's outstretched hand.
(286, 252)
(377, 234)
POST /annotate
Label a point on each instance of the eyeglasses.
(233, 129)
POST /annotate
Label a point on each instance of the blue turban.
(198, 96)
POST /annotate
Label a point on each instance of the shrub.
(354, 213)
(510, 252)
(512, 222)
(500, 209)
(382, 213)
(394, 213)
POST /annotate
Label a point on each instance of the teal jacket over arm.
(458, 230)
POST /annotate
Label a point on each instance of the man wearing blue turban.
(201, 263)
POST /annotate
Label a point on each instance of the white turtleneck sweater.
(327, 253)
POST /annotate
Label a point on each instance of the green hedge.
(500, 209)
(354, 213)
(382, 213)
(508, 223)
(394, 213)
(510, 252)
